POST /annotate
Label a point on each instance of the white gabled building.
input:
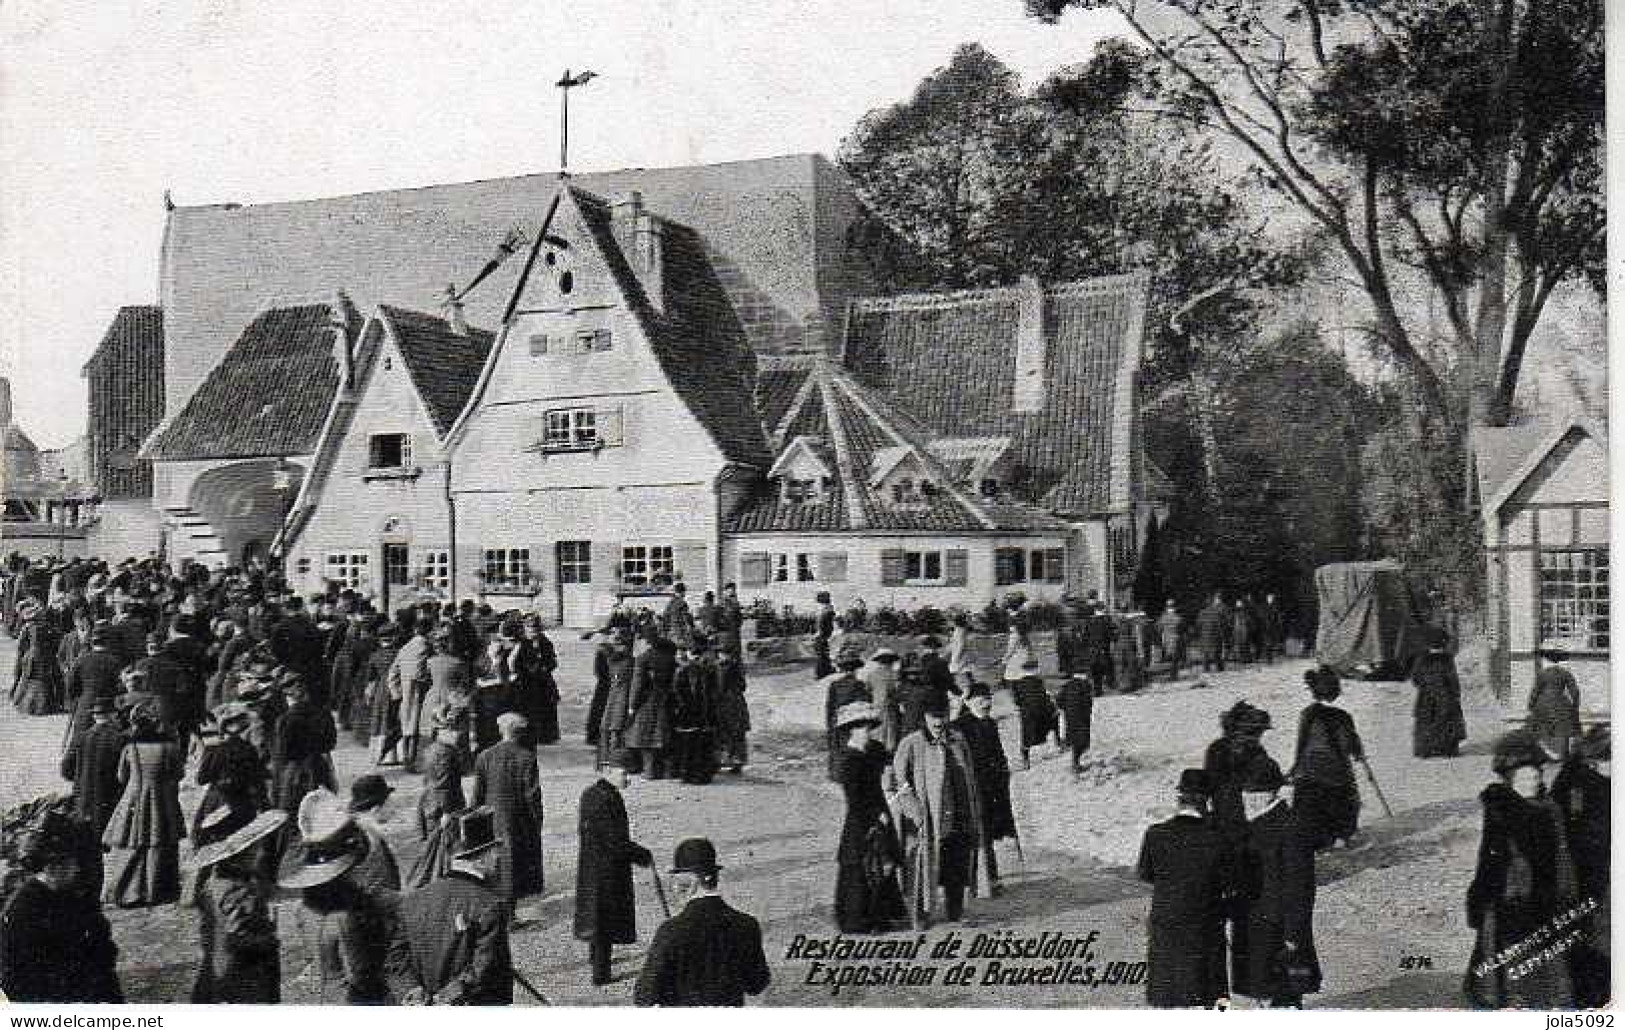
(613, 427)
(373, 515)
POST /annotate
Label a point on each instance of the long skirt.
(1326, 811)
(866, 902)
(145, 875)
(1036, 710)
(693, 755)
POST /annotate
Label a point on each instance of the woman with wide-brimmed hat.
(344, 927)
(234, 775)
(1242, 729)
(841, 690)
(1524, 880)
(241, 960)
(55, 943)
(867, 896)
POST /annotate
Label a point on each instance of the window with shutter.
(832, 567)
(891, 567)
(755, 569)
(610, 426)
(957, 568)
(538, 344)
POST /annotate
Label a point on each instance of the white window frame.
(570, 429)
(1043, 555)
(921, 561)
(1572, 598)
(506, 569)
(405, 455)
(575, 569)
(642, 564)
(349, 569)
(434, 571)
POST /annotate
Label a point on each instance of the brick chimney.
(641, 239)
(1029, 386)
(339, 312)
(453, 309)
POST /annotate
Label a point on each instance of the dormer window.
(989, 487)
(906, 491)
(389, 450)
(805, 491)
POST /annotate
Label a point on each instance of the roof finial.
(566, 83)
(169, 201)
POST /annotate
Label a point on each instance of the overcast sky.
(104, 105)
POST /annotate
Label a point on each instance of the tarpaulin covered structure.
(1367, 618)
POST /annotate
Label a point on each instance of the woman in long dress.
(147, 826)
(1524, 881)
(867, 896)
(37, 689)
(1438, 725)
(240, 961)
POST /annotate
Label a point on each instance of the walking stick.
(1015, 838)
(660, 891)
(534, 993)
(1389, 812)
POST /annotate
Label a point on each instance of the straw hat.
(264, 824)
(855, 713)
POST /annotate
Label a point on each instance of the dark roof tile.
(444, 366)
(269, 395)
(950, 360)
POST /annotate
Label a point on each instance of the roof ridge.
(857, 515)
(231, 205)
(928, 299)
(920, 447)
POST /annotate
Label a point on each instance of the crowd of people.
(233, 677)
(1233, 871)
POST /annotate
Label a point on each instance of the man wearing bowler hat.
(92, 764)
(1185, 860)
(457, 926)
(708, 954)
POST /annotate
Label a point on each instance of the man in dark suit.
(1185, 860)
(91, 764)
(1099, 633)
(457, 926)
(298, 644)
(606, 913)
(708, 954)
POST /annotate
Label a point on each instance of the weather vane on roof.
(566, 83)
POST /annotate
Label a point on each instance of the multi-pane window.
(922, 566)
(589, 340)
(434, 570)
(647, 565)
(1574, 599)
(796, 568)
(389, 450)
(569, 428)
(1047, 565)
(347, 568)
(506, 567)
(1009, 566)
(575, 561)
(805, 491)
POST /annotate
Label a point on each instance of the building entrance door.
(574, 558)
(397, 574)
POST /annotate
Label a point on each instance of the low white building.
(1543, 495)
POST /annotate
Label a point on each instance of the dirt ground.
(1389, 918)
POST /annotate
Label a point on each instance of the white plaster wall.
(863, 569)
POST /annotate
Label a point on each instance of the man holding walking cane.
(606, 913)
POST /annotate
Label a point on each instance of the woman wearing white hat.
(867, 896)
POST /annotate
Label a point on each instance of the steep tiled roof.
(126, 385)
(443, 365)
(777, 385)
(269, 395)
(694, 333)
(950, 359)
(861, 427)
(775, 230)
